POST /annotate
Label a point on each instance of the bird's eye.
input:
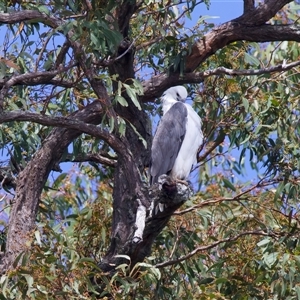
(178, 96)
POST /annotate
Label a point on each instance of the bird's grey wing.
(167, 140)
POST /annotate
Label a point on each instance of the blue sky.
(226, 10)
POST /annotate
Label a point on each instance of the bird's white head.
(178, 93)
(172, 95)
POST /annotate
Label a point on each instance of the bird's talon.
(182, 182)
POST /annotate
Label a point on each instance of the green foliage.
(241, 226)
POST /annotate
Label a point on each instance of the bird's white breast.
(168, 101)
(192, 141)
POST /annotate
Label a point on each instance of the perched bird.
(177, 138)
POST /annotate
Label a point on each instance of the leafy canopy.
(237, 237)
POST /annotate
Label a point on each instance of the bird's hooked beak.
(179, 98)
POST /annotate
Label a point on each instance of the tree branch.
(65, 122)
(234, 31)
(220, 139)
(31, 180)
(248, 5)
(124, 12)
(237, 197)
(249, 27)
(138, 243)
(29, 15)
(155, 86)
(30, 79)
(37, 77)
(62, 54)
(213, 245)
(41, 80)
(262, 13)
(221, 70)
(100, 158)
(7, 180)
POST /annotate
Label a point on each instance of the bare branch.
(28, 15)
(45, 43)
(35, 81)
(234, 30)
(100, 158)
(62, 53)
(148, 43)
(39, 77)
(155, 86)
(262, 13)
(248, 5)
(221, 70)
(65, 122)
(126, 46)
(59, 82)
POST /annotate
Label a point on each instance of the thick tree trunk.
(125, 240)
(31, 181)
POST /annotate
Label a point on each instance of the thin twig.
(203, 248)
(219, 200)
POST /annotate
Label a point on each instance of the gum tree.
(79, 83)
